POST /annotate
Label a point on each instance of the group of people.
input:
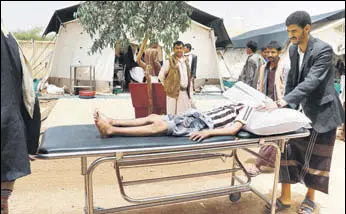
(309, 86)
(177, 74)
(268, 73)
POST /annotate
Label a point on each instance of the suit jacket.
(20, 131)
(250, 72)
(314, 89)
(193, 65)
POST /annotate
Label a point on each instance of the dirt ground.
(56, 186)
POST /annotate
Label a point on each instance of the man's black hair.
(188, 46)
(252, 45)
(274, 44)
(178, 43)
(300, 18)
(263, 48)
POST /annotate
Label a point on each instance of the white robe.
(182, 103)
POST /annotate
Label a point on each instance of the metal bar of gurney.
(245, 186)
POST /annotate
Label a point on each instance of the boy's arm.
(232, 130)
(243, 117)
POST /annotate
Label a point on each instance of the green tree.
(110, 22)
(33, 33)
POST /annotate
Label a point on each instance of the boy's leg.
(138, 121)
(127, 122)
(158, 126)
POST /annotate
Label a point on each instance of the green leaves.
(109, 21)
(33, 33)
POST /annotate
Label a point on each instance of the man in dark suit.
(20, 116)
(192, 62)
(310, 87)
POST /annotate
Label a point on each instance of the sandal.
(254, 171)
(279, 206)
(307, 207)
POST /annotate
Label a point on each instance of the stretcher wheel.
(234, 197)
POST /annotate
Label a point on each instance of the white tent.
(73, 44)
(231, 62)
(202, 40)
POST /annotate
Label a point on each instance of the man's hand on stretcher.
(270, 106)
(232, 130)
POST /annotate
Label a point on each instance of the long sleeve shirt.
(249, 71)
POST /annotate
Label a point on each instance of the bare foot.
(103, 127)
(98, 115)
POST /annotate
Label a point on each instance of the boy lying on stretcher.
(225, 120)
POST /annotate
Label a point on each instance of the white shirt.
(182, 68)
(301, 58)
(137, 73)
(286, 68)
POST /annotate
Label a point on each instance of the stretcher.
(84, 141)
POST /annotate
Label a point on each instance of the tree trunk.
(147, 75)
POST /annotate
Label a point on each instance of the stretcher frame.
(166, 154)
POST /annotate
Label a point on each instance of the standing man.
(192, 62)
(176, 80)
(310, 83)
(271, 83)
(264, 54)
(250, 72)
(20, 116)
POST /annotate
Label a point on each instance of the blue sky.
(246, 16)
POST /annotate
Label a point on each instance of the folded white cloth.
(278, 121)
(243, 93)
